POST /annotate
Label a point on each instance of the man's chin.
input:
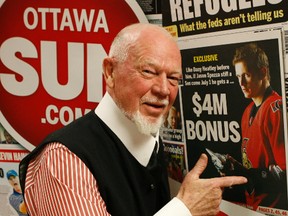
(147, 126)
(247, 96)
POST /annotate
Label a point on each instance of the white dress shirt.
(138, 144)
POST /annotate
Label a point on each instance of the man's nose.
(241, 80)
(161, 85)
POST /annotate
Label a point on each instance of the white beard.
(145, 126)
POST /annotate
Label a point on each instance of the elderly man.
(107, 162)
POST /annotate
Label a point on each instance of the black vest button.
(152, 186)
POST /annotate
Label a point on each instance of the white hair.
(127, 37)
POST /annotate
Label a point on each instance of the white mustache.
(164, 102)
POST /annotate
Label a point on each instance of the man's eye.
(149, 73)
(174, 80)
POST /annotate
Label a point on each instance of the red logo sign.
(51, 61)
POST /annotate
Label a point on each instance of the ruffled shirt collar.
(139, 145)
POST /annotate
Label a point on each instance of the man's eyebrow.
(155, 64)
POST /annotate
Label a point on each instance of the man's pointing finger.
(229, 181)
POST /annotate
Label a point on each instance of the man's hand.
(203, 196)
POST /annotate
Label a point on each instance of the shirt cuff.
(174, 207)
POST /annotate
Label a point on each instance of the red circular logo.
(51, 61)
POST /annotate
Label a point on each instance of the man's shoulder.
(274, 102)
(75, 128)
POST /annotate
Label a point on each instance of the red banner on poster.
(51, 61)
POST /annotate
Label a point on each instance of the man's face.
(8, 137)
(147, 82)
(14, 182)
(249, 81)
(172, 118)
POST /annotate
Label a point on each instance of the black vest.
(126, 186)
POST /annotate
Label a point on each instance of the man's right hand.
(203, 196)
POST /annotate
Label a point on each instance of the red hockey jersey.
(263, 142)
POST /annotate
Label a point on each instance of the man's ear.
(108, 71)
(264, 71)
